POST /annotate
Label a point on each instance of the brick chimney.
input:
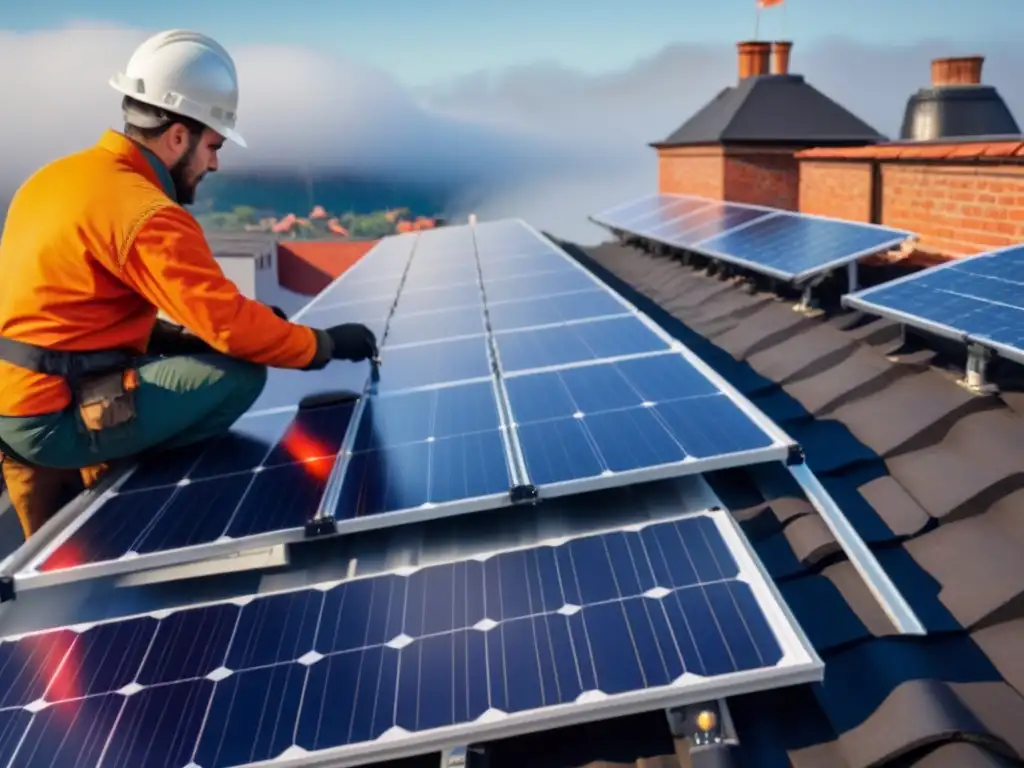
(961, 70)
(753, 58)
(780, 57)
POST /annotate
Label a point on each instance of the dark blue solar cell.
(70, 733)
(665, 377)
(538, 286)
(428, 365)
(349, 698)
(731, 218)
(27, 666)
(245, 447)
(160, 468)
(711, 426)
(433, 326)
(190, 644)
(111, 531)
(159, 726)
(562, 345)
(13, 724)
(252, 716)
(285, 388)
(411, 475)
(103, 659)
(979, 297)
(414, 301)
(314, 433)
(797, 245)
(583, 422)
(275, 629)
(281, 498)
(362, 613)
(508, 316)
(197, 513)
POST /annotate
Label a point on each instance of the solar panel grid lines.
(401, 663)
(456, 463)
(787, 245)
(975, 299)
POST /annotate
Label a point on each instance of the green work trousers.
(179, 401)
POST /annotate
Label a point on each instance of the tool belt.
(102, 382)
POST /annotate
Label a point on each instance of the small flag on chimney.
(768, 3)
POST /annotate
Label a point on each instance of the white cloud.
(542, 142)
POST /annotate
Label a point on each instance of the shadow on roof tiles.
(1002, 643)
(823, 612)
(919, 587)
(776, 722)
(849, 695)
(778, 557)
(781, 407)
(845, 490)
(829, 446)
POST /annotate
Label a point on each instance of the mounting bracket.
(974, 380)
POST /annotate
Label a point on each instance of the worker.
(94, 246)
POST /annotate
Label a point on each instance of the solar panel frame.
(781, 448)
(799, 662)
(861, 301)
(699, 246)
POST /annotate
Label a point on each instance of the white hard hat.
(185, 73)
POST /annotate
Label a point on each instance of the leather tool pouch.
(107, 400)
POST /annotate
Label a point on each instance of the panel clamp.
(523, 494)
(320, 526)
(7, 593)
(795, 456)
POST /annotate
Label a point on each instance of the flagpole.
(757, 20)
(784, 6)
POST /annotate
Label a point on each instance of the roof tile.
(977, 565)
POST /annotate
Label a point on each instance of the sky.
(544, 107)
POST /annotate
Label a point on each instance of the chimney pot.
(957, 70)
(753, 58)
(780, 57)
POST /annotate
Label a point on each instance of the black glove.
(169, 339)
(278, 311)
(352, 341)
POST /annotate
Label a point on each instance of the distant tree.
(245, 214)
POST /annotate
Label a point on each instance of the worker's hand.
(352, 341)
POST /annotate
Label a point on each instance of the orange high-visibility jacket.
(93, 247)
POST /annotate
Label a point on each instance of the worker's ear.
(177, 139)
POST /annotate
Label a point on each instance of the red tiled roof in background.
(308, 266)
(974, 150)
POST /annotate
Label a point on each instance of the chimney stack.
(957, 70)
(780, 57)
(753, 58)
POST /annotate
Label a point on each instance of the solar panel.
(384, 666)
(782, 244)
(977, 299)
(519, 313)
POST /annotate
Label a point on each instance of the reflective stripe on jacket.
(92, 248)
